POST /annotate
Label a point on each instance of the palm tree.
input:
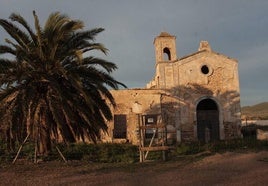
(53, 88)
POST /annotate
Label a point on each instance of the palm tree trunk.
(44, 135)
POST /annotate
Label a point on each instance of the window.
(120, 126)
(205, 69)
(151, 119)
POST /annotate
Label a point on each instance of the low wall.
(262, 135)
(256, 122)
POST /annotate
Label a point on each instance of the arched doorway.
(207, 113)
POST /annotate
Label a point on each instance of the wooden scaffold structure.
(153, 136)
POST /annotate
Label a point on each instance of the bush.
(190, 148)
(126, 153)
(251, 144)
(249, 131)
(3, 151)
(103, 152)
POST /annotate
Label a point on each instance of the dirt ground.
(220, 169)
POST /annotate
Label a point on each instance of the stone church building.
(196, 97)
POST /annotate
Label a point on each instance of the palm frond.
(17, 34)
(6, 49)
(39, 35)
(94, 46)
(91, 61)
(18, 18)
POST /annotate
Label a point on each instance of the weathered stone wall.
(185, 79)
(177, 88)
(221, 84)
(170, 107)
(133, 103)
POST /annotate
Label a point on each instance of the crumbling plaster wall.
(132, 103)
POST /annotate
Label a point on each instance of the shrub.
(190, 148)
(249, 131)
(127, 153)
(251, 144)
(103, 152)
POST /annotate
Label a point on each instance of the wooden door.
(208, 125)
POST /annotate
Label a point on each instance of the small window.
(151, 119)
(120, 126)
(205, 69)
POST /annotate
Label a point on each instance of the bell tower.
(165, 56)
(165, 47)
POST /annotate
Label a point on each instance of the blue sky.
(236, 28)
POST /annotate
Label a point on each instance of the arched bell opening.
(167, 55)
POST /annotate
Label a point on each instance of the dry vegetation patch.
(248, 168)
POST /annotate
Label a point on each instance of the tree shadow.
(179, 111)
